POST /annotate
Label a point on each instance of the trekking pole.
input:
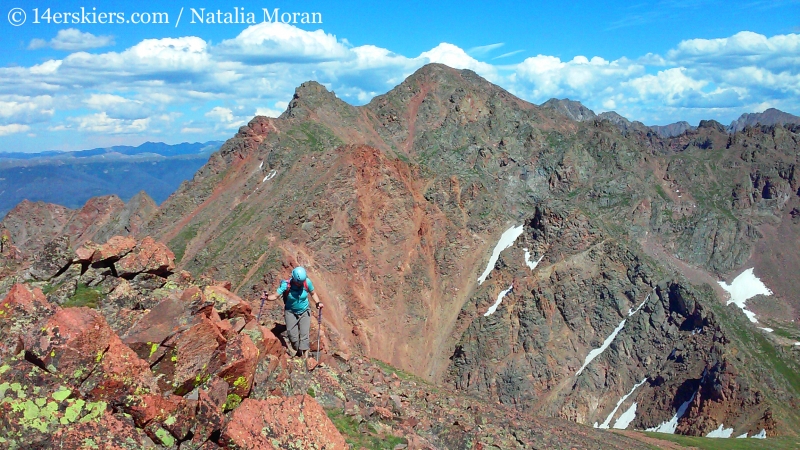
(263, 297)
(319, 330)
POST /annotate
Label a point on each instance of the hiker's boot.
(304, 354)
(290, 350)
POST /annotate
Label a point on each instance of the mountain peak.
(308, 97)
(770, 116)
(570, 108)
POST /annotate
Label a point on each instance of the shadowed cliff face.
(394, 208)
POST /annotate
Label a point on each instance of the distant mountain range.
(72, 178)
(577, 111)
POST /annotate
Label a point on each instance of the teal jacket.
(296, 300)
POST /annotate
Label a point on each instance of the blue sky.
(68, 86)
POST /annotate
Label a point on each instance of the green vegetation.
(394, 370)
(729, 444)
(316, 136)
(83, 296)
(361, 435)
(178, 243)
(660, 191)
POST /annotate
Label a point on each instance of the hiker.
(295, 293)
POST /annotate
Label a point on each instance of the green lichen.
(232, 402)
(73, 412)
(61, 394)
(4, 368)
(93, 411)
(165, 437)
(99, 356)
(153, 348)
(240, 382)
(170, 421)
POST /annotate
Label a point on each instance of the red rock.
(149, 407)
(217, 390)
(115, 248)
(108, 433)
(228, 304)
(193, 355)
(20, 311)
(166, 319)
(208, 418)
(182, 420)
(149, 256)
(383, 413)
(71, 342)
(120, 373)
(192, 293)
(265, 340)
(85, 252)
(238, 364)
(224, 284)
(311, 363)
(278, 423)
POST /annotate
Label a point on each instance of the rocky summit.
(496, 274)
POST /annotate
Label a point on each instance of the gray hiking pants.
(297, 327)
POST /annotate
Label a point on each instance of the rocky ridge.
(175, 363)
(396, 205)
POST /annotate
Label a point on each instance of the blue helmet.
(299, 274)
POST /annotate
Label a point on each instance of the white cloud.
(25, 110)
(118, 107)
(457, 58)
(542, 77)
(13, 128)
(219, 87)
(272, 42)
(72, 39)
(102, 123)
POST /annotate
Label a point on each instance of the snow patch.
(767, 329)
(493, 308)
(605, 423)
(626, 418)
(761, 435)
(261, 165)
(634, 311)
(506, 240)
(721, 432)
(530, 264)
(742, 436)
(744, 287)
(596, 352)
(270, 175)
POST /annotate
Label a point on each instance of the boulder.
(283, 422)
(115, 249)
(71, 342)
(54, 258)
(120, 373)
(264, 339)
(171, 316)
(107, 432)
(191, 361)
(237, 362)
(36, 403)
(149, 257)
(20, 311)
(227, 303)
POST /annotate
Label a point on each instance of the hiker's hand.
(319, 305)
(272, 297)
